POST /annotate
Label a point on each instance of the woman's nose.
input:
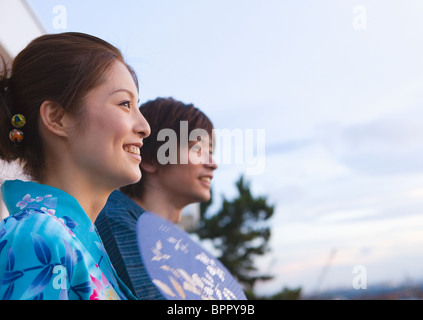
(142, 127)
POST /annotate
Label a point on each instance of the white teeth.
(132, 149)
(207, 179)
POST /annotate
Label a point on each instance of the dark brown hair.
(166, 113)
(57, 67)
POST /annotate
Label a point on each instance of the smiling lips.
(205, 179)
(132, 149)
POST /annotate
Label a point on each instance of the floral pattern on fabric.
(102, 289)
(179, 267)
(49, 250)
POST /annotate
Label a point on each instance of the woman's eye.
(126, 104)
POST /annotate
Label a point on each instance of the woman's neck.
(90, 196)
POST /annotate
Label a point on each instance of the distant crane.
(271, 264)
(325, 269)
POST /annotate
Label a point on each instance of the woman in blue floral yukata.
(69, 116)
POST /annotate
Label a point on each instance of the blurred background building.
(18, 26)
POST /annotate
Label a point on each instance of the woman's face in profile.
(107, 147)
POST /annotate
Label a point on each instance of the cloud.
(382, 163)
(388, 144)
(287, 146)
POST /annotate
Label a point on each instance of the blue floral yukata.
(50, 249)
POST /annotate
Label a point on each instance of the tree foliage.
(240, 233)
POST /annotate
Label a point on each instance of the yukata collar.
(20, 196)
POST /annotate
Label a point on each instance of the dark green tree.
(240, 233)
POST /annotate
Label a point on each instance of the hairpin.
(16, 135)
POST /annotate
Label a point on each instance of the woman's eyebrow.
(127, 91)
(123, 90)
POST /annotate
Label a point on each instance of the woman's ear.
(148, 167)
(54, 118)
